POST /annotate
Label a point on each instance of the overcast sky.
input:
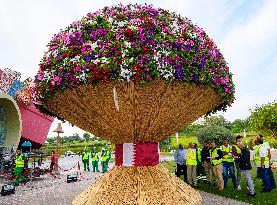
(245, 32)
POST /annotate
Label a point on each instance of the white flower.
(121, 24)
(94, 45)
(125, 73)
(110, 20)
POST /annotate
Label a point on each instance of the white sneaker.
(239, 188)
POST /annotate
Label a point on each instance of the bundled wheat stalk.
(139, 185)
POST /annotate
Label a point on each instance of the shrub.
(215, 132)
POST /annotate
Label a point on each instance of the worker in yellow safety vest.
(228, 163)
(217, 168)
(19, 167)
(191, 161)
(85, 159)
(104, 161)
(95, 159)
(236, 152)
(262, 161)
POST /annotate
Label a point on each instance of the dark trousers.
(52, 166)
(266, 179)
(259, 172)
(182, 169)
(271, 177)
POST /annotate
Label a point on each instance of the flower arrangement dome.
(133, 75)
(134, 42)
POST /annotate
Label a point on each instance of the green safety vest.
(213, 153)
(85, 156)
(19, 161)
(191, 158)
(227, 158)
(257, 158)
(94, 156)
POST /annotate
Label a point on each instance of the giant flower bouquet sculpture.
(133, 75)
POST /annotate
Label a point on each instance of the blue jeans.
(272, 180)
(229, 166)
(265, 177)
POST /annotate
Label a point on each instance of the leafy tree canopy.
(215, 132)
(263, 119)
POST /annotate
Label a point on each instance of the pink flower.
(148, 77)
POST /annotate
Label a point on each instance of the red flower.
(128, 33)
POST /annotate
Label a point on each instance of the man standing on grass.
(236, 153)
(179, 157)
(267, 146)
(228, 163)
(216, 160)
(206, 162)
(262, 161)
(191, 165)
(245, 165)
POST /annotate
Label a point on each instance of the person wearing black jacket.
(206, 162)
(245, 166)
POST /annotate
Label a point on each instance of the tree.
(217, 120)
(264, 119)
(239, 125)
(86, 136)
(214, 132)
(191, 129)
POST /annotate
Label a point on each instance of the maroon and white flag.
(137, 154)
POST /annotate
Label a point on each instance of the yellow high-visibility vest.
(257, 158)
(238, 149)
(85, 156)
(104, 157)
(191, 158)
(213, 153)
(95, 156)
(227, 158)
(19, 161)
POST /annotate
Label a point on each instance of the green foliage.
(165, 145)
(191, 130)
(183, 140)
(86, 136)
(239, 125)
(214, 132)
(263, 119)
(217, 120)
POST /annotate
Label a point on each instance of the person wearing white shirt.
(267, 146)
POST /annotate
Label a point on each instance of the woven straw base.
(147, 113)
(140, 186)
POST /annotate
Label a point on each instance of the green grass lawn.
(183, 140)
(230, 192)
